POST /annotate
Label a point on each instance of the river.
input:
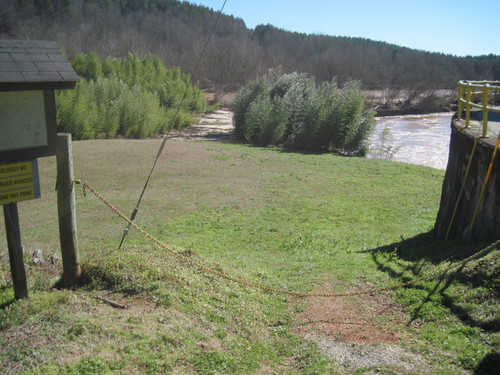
(415, 139)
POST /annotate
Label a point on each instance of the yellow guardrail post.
(485, 109)
(467, 106)
(460, 98)
(467, 91)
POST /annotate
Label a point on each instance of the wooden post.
(66, 210)
(15, 250)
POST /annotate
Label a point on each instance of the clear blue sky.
(456, 27)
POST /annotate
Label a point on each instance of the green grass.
(286, 220)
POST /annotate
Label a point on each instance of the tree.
(176, 32)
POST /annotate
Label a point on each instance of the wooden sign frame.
(28, 126)
(48, 149)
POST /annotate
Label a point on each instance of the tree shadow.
(6, 304)
(489, 365)
(407, 260)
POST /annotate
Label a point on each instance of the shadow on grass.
(468, 299)
(409, 259)
(286, 150)
(489, 365)
(6, 304)
(94, 277)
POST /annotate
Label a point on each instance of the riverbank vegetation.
(132, 97)
(412, 101)
(176, 31)
(289, 110)
(297, 221)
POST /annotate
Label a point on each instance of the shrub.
(354, 124)
(87, 66)
(246, 96)
(140, 113)
(131, 97)
(258, 129)
(299, 112)
(290, 111)
(107, 108)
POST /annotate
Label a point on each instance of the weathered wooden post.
(66, 210)
(15, 251)
(30, 71)
(18, 182)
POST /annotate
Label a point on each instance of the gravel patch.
(353, 356)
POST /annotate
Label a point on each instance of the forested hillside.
(177, 31)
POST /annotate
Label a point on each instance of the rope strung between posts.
(174, 118)
(205, 268)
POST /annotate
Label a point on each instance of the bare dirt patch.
(214, 126)
(358, 319)
(360, 332)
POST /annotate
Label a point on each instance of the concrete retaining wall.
(487, 225)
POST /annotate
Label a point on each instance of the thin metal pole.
(136, 208)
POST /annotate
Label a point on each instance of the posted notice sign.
(19, 182)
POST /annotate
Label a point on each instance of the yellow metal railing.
(479, 95)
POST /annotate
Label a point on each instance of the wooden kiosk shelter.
(30, 71)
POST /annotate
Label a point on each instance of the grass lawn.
(300, 222)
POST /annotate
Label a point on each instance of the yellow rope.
(222, 275)
(486, 179)
(462, 188)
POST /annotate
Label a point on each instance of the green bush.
(140, 113)
(132, 97)
(258, 129)
(255, 91)
(107, 108)
(289, 110)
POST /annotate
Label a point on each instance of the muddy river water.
(416, 139)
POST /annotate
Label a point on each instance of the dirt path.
(362, 332)
(215, 126)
